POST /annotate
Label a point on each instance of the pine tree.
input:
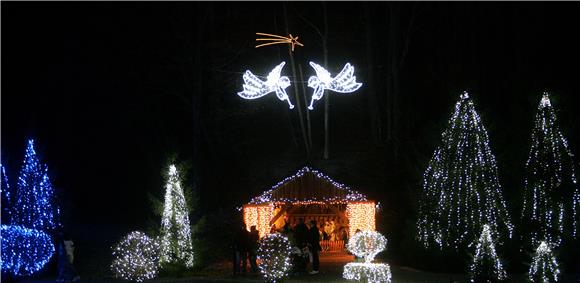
(552, 196)
(176, 244)
(5, 191)
(461, 189)
(544, 268)
(34, 204)
(486, 266)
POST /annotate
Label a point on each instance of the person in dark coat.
(314, 246)
(241, 239)
(301, 233)
(253, 248)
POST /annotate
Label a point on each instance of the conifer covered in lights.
(135, 257)
(552, 195)
(544, 268)
(486, 265)
(461, 188)
(274, 254)
(34, 201)
(176, 244)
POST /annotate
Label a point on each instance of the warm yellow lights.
(277, 39)
(361, 215)
(260, 216)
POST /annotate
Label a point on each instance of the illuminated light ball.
(544, 267)
(135, 257)
(369, 272)
(24, 251)
(274, 254)
(367, 244)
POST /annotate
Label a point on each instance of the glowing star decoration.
(367, 244)
(278, 39)
(176, 244)
(344, 82)
(544, 267)
(259, 216)
(361, 216)
(552, 194)
(255, 88)
(135, 257)
(274, 254)
(24, 251)
(485, 255)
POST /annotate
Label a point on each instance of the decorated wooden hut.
(311, 195)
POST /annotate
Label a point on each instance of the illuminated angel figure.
(255, 88)
(344, 82)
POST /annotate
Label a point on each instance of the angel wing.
(255, 88)
(344, 82)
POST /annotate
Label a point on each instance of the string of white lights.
(544, 266)
(485, 254)
(135, 257)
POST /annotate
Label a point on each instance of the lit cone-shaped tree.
(175, 245)
(544, 268)
(486, 265)
(461, 189)
(552, 196)
(34, 201)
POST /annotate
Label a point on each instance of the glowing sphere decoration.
(367, 244)
(274, 254)
(135, 257)
(24, 251)
(344, 82)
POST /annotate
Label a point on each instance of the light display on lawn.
(461, 188)
(34, 201)
(135, 257)
(367, 244)
(486, 266)
(24, 251)
(552, 194)
(255, 88)
(274, 254)
(344, 82)
(544, 268)
(176, 244)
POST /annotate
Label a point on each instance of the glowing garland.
(361, 215)
(367, 244)
(544, 267)
(135, 257)
(274, 254)
(267, 196)
(552, 195)
(24, 251)
(485, 253)
(260, 217)
(344, 82)
(255, 88)
(461, 188)
(176, 245)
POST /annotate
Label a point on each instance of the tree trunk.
(308, 124)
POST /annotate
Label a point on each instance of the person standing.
(314, 244)
(65, 254)
(240, 240)
(253, 248)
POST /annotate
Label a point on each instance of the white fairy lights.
(361, 216)
(461, 188)
(259, 216)
(176, 244)
(135, 257)
(367, 244)
(344, 82)
(274, 254)
(485, 254)
(552, 195)
(255, 88)
(544, 267)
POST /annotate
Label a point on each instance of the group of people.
(306, 241)
(245, 246)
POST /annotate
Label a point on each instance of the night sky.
(110, 90)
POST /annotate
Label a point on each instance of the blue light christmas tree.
(34, 201)
(5, 190)
(552, 194)
(461, 189)
(24, 251)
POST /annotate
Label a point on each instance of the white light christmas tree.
(367, 244)
(544, 268)
(135, 257)
(176, 244)
(461, 189)
(274, 254)
(552, 195)
(486, 266)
